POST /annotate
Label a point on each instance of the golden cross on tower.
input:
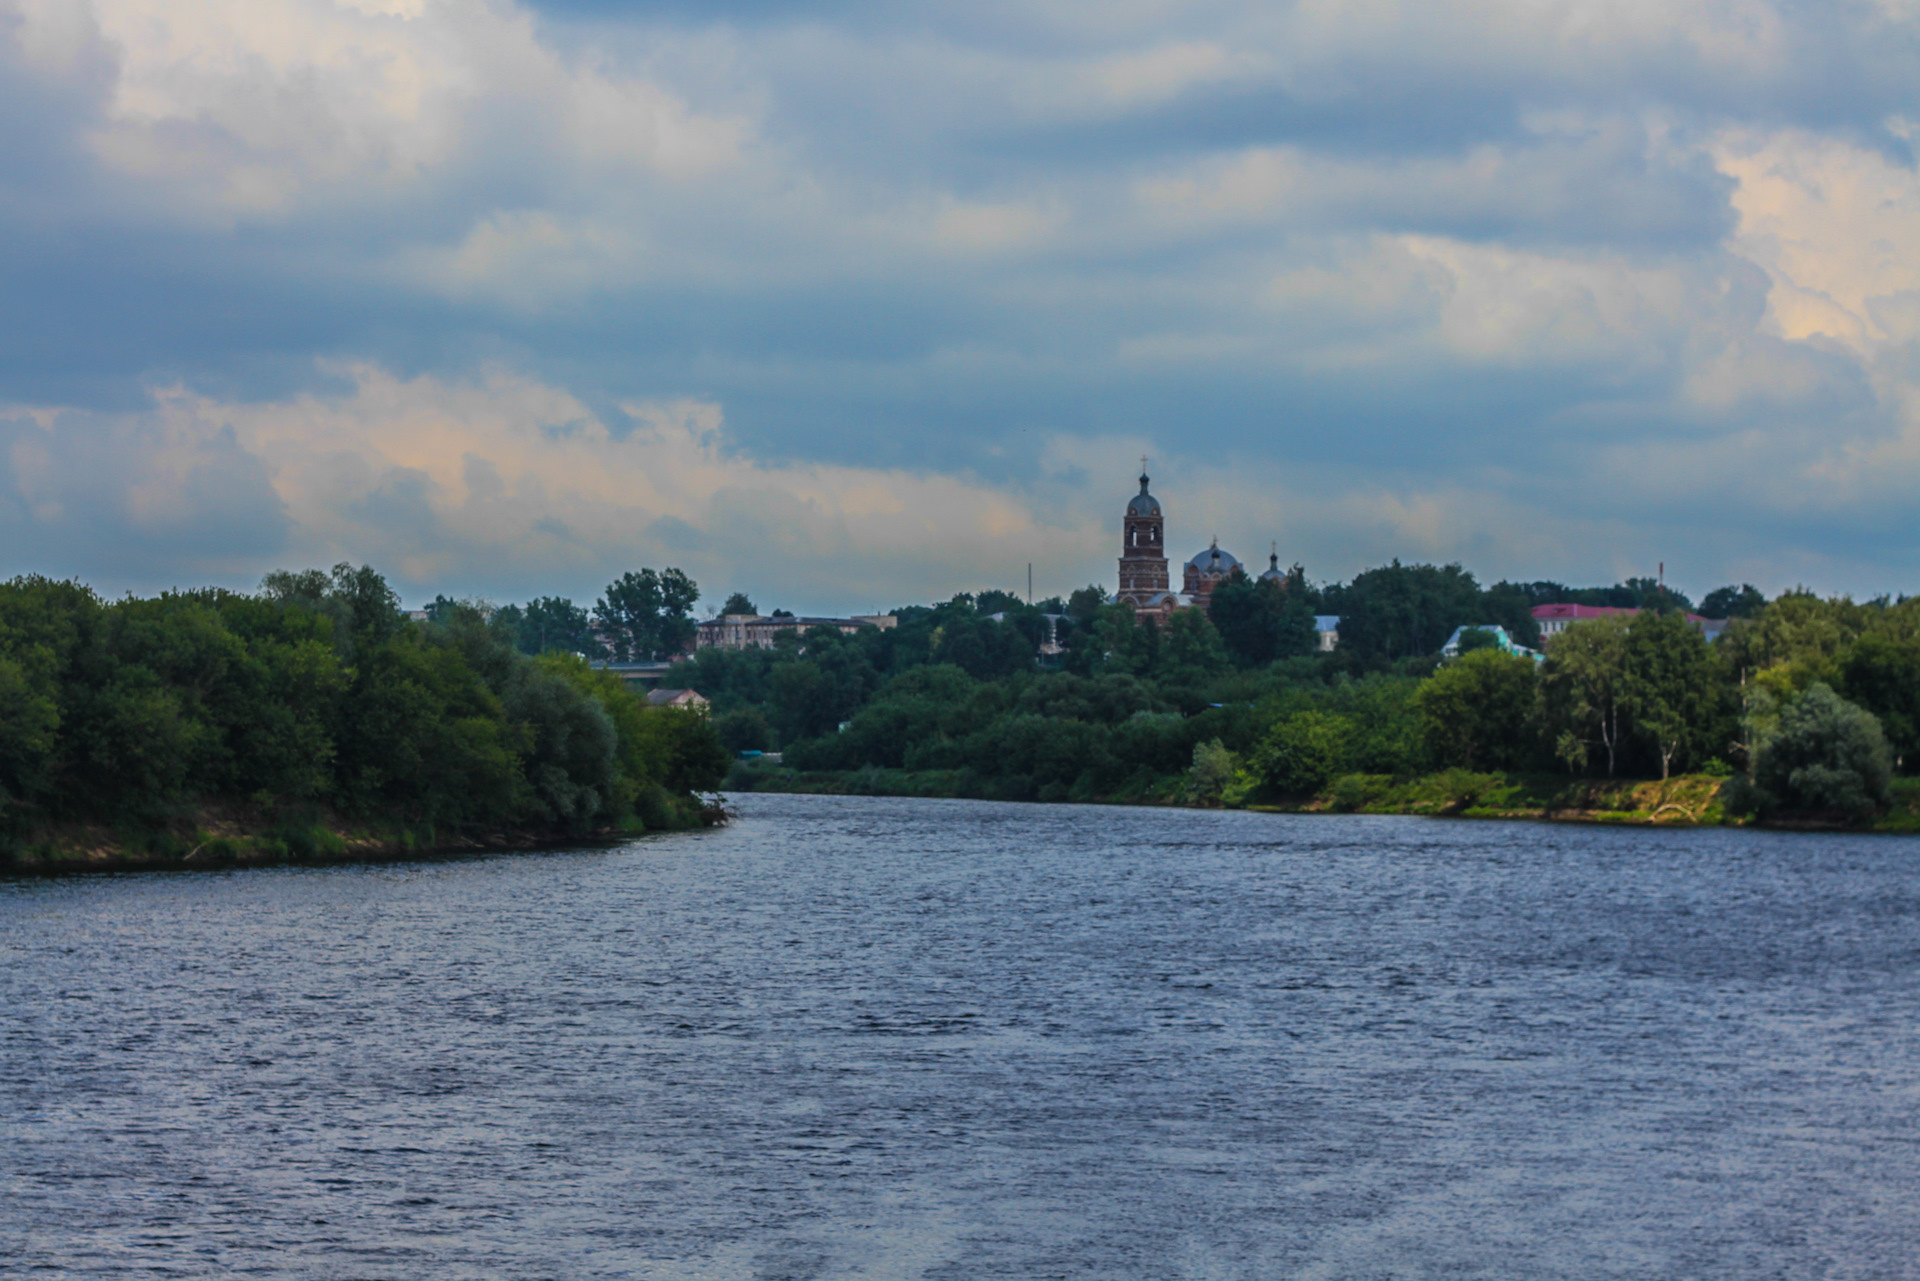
(1143, 464)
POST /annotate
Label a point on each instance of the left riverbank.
(226, 837)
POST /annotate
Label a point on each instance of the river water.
(858, 1037)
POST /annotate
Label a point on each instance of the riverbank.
(1690, 800)
(234, 836)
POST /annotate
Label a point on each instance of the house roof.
(1572, 613)
(1575, 613)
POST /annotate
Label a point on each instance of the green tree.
(554, 624)
(1651, 593)
(745, 729)
(738, 603)
(811, 695)
(1672, 686)
(658, 749)
(1882, 674)
(29, 724)
(1211, 771)
(1582, 686)
(1120, 641)
(1260, 621)
(568, 748)
(1479, 712)
(419, 732)
(1799, 638)
(995, 601)
(1825, 754)
(364, 610)
(283, 726)
(1193, 651)
(1743, 601)
(644, 615)
(1084, 605)
(1306, 750)
(1400, 610)
(981, 646)
(690, 755)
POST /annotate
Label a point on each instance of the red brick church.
(1143, 562)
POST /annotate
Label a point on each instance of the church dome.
(1143, 503)
(1214, 560)
(1273, 574)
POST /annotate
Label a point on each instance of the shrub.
(1479, 712)
(1825, 755)
(1210, 773)
(1305, 750)
(654, 807)
(1351, 792)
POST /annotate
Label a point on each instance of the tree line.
(644, 614)
(1811, 704)
(318, 693)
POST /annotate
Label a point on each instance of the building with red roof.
(1554, 619)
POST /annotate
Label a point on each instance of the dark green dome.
(1143, 503)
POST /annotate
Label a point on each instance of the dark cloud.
(939, 238)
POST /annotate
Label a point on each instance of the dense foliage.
(1128, 708)
(319, 693)
(1819, 753)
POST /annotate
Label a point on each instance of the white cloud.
(510, 480)
(251, 110)
(1837, 228)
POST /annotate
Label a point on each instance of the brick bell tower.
(1143, 552)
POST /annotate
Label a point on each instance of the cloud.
(133, 499)
(508, 487)
(247, 110)
(1551, 288)
(508, 484)
(1837, 228)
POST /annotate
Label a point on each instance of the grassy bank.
(1685, 800)
(214, 837)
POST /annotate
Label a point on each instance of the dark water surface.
(883, 1038)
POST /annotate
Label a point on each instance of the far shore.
(1685, 800)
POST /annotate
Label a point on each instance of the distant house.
(759, 631)
(1554, 619)
(1502, 639)
(687, 698)
(1327, 627)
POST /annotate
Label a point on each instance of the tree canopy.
(318, 691)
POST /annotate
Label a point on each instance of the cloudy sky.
(853, 304)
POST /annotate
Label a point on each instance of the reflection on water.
(885, 1038)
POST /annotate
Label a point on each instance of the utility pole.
(1029, 583)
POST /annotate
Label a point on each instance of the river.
(883, 1038)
